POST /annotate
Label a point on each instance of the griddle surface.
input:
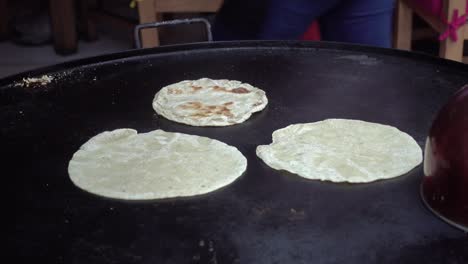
(266, 216)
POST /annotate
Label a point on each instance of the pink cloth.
(434, 7)
(453, 26)
(313, 32)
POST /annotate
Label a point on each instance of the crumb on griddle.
(210, 246)
(296, 214)
(43, 80)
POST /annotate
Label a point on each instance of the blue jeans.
(366, 22)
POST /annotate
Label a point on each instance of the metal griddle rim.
(269, 44)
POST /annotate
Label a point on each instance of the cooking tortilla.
(341, 150)
(207, 102)
(123, 164)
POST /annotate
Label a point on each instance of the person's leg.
(366, 22)
(239, 19)
(289, 19)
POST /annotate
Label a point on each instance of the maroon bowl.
(445, 185)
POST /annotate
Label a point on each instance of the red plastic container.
(445, 186)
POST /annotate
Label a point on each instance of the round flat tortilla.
(340, 150)
(207, 102)
(123, 164)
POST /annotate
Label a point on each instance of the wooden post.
(403, 26)
(62, 14)
(87, 24)
(181, 6)
(147, 14)
(449, 49)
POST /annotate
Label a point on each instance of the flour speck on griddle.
(361, 59)
(43, 80)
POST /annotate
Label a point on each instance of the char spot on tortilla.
(219, 89)
(201, 110)
(240, 90)
(174, 91)
(191, 105)
(196, 88)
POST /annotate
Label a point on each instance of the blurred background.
(36, 33)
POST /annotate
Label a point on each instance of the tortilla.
(126, 165)
(341, 150)
(207, 102)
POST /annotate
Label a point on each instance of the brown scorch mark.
(201, 110)
(174, 91)
(192, 105)
(219, 89)
(196, 88)
(240, 90)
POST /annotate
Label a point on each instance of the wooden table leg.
(62, 13)
(4, 17)
(403, 26)
(147, 14)
(449, 49)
